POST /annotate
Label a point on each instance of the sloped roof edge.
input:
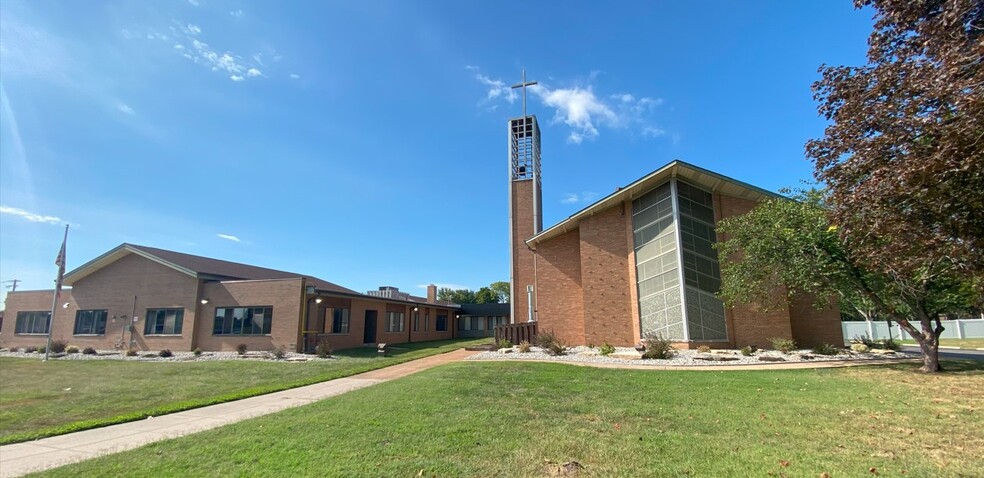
(674, 169)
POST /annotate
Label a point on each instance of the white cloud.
(228, 237)
(580, 108)
(194, 29)
(30, 216)
(236, 78)
(237, 13)
(574, 198)
(193, 3)
(125, 108)
(253, 72)
(496, 88)
(295, 76)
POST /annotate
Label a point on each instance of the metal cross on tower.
(523, 85)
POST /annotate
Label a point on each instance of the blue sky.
(365, 142)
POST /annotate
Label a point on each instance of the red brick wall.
(812, 327)
(522, 257)
(560, 299)
(284, 295)
(605, 278)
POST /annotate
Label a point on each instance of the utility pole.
(13, 284)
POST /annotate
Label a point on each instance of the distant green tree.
(486, 295)
(501, 288)
(457, 296)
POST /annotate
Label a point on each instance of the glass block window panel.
(657, 263)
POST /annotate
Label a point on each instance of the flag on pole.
(60, 262)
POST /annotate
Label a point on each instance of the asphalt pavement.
(952, 353)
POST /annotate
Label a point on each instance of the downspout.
(302, 320)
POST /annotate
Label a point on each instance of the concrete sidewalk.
(22, 458)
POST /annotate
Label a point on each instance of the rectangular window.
(33, 322)
(243, 321)
(394, 321)
(427, 320)
(339, 320)
(416, 321)
(441, 323)
(163, 321)
(90, 322)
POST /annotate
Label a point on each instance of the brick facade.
(605, 278)
(134, 282)
(559, 301)
(522, 257)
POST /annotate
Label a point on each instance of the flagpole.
(60, 261)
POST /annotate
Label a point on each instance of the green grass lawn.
(962, 343)
(521, 419)
(40, 399)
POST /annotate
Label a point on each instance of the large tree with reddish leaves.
(903, 156)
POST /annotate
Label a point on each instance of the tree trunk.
(928, 340)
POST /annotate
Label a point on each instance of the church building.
(639, 261)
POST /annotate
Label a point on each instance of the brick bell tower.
(525, 210)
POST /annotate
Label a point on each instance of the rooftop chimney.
(431, 294)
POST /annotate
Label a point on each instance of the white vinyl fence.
(955, 329)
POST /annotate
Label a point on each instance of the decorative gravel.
(688, 358)
(146, 356)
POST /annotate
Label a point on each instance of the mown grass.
(39, 399)
(513, 419)
(962, 343)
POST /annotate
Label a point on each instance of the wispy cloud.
(30, 216)
(295, 76)
(496, 88)
(575, 198)
(237, 13)
(228, 237)
(226, 62)
(125, 108)
(580, 108)
(194, 29)
(193, 3)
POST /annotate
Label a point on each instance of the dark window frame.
(36, 316)
(340, 319)
(160, 316)
(94, 324)
(229, 325)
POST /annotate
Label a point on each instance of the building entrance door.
(369, 334)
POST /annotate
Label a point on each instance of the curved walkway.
(22, 458)
(717, 368)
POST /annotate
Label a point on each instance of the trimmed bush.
(71, 349)
(657, 347)
(279, 353)
(890, 344)
(606, 349)
(197, 352)
(41, 348)
(58, 346)
(748, 350)
(131, 353)
(241, 348)
(524, 347)
(88, 351)
(30, 349)
(826, 349)
(504, 344)
(165, 353)
(703, 349)
(323, 349)
(783, 345)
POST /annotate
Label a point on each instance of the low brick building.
(152, 299)
(641, 260)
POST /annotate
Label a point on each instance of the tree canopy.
(903, 156)
(497, 292)
(785, 247)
